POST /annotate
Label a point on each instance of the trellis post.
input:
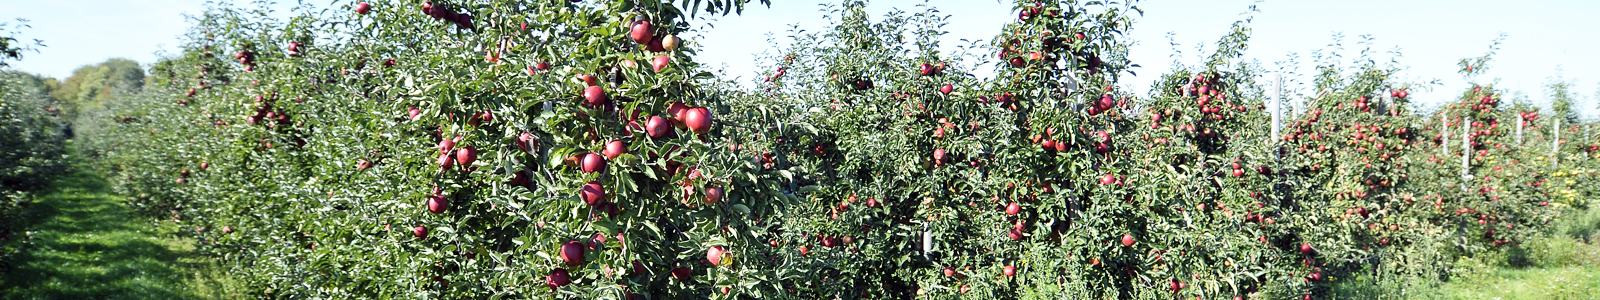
(1277, 110)
(1555, 143)
(1519, 129)
(1466, 147)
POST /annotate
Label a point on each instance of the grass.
(82, 243)
(1563, 265)
(1566, 282)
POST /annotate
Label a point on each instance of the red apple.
(420, 232)
(594, 96)
(641, 32)
(1305, 248)
(1127, 239)
(527, 142)
(446, 161)
(361, 164)
(698, 119)
(926, 70)
(447, 145)
(592, 162)
(660, 62)
(437, 204)
(588, 80)
(658, 127)
(363, 8)
(592, 193)
(557, 278)
(1010, 271)
(714, 255)
(1013, 209)
(681, 273)
(466, 156)
(677, 110)
(714, 194)
(572, 253)
(947, 88)
(949, 272)
(519, 178)
(615, 149)
(414, 113)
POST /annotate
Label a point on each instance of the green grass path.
(84, 244)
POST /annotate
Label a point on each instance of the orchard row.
(575, 149)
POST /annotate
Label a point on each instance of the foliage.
(91, 85)
(502, 149)
(32, 148)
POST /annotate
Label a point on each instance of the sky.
(1544, 38)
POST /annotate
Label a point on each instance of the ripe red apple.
(446, 161)
(660, 62)
(949, 272)
(572, 253)
(681, 273)
(614, 149)
(592, 193)
(1013, 209)
(714, 194)
(1127, 239)
(204, 165)
(714, 255)
(466, 156)
(592, 162)
(947, 88)
(446, 145)
(526, 142)
(698, 119)
(557, 278)
(658, 127)
(677, 110)
(588, 80)
(940, 157)
(594, 96)
(361, 164)
(363, 8)
(437, 204)
(1305, 248)
(1010, 271)
(420, 232)
(414, 113)
(519, 178)
(642, 32)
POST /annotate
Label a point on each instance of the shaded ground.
(83, 244)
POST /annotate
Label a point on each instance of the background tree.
(1561, 99)
(91, 85)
